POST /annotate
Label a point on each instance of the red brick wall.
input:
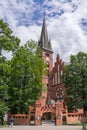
(19, 119)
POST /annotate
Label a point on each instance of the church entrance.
(32, 120)
(48, 118)
(64, 120)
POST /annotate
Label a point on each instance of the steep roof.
(44, 42)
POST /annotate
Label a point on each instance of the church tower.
(47, 55)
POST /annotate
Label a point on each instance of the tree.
(3, 111)
(76, 81)
(7, 43)
(4, 77)
(26, 77)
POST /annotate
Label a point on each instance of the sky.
(66, 22)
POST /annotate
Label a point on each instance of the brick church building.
(52, 104)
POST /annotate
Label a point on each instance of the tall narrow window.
(58, 74)
(55, 78)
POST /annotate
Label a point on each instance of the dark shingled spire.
(44, 42)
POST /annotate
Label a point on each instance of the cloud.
(67, 35)
(66, 23)
(27, 33)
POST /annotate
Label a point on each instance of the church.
(52, 104)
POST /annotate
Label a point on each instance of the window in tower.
(47, 54)
(47, 64)
(47, 58)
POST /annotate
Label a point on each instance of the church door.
(48, 118)
(64, 120)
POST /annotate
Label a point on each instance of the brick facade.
(52, 104)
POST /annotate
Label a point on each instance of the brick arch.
(48, 117)
(48, 108)
(49, 112)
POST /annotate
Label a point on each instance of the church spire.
(44, 42)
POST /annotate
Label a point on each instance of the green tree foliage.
(7, 43)
(76, 81)
(3, 111)
(7, 40)
(26, 75)
(4, 78)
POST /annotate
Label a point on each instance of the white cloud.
(27, 33)
(67, 34)
(65, 31)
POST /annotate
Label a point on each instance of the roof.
(44, 42)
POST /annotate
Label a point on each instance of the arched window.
(47, 55)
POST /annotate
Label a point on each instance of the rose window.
(59, 94)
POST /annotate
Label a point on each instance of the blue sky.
(66, 22)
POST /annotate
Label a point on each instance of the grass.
(1, 126)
